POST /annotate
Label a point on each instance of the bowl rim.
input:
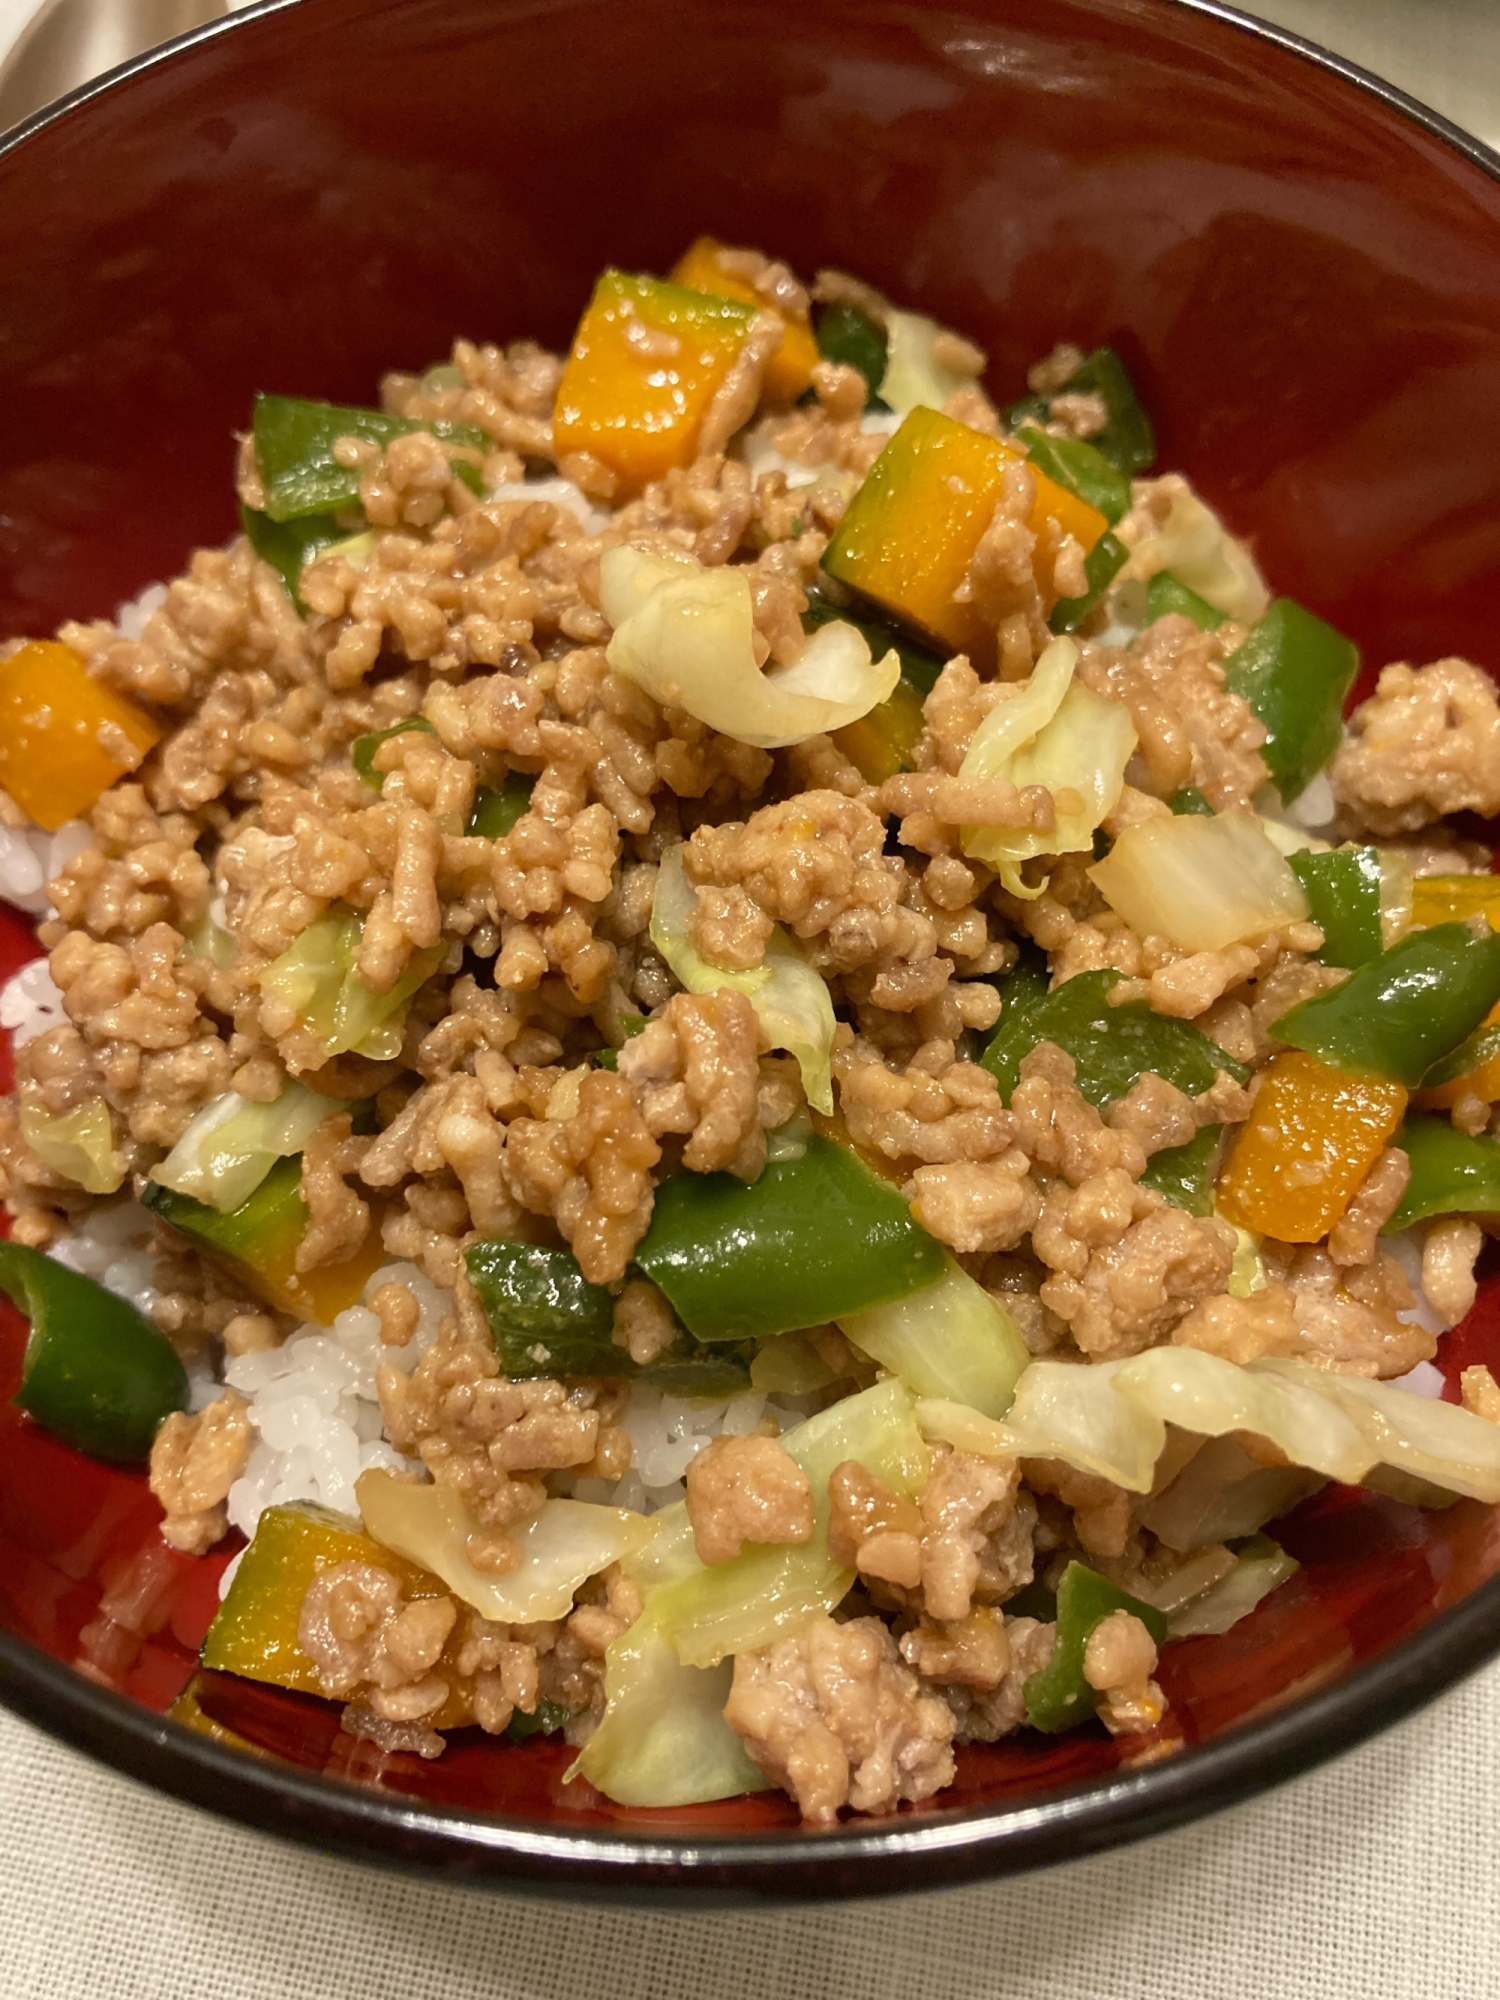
(910, 1851)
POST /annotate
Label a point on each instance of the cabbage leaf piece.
(1053, 732)
(952, 1340)
(791, 999)
(318, 979)
(78, 1144)
(663, 1739)
(1202, 883)
(560, 1547)
(686, 634)
(913, 375)
(1194, 544)
(232, 1144)
(1261, 1566)
(1110, 1418)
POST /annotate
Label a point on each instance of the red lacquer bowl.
(1302, 270)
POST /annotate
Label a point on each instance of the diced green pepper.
(1127, 440)
(1081, 467)
(294, 441)
(362, 749)
(1185, 1174)
(288, 546)
(816, 1237)
(546, 1318)
(257, 1243)
(1165, 595)
(1295, 672)
(1111, 1046)
(846, 334)
(1343, 893)
(546, 1719)
(1477, 1052)
(1190, 802)
(95, 1373)
(1057, 1696)
(1403, 1012)
(497, 808)
(1101, 566)
(1451, 1173)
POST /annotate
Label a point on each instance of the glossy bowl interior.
(1303, 274)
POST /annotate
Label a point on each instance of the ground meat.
(1118, 1660)
(487, 1438)
(1426, 743)
(1172, 681)
(645, 1325)
(697, 1072)
(194, 1462)
(836, 1718)
(746, 1489)
(1101, 1510)
(1129, 1266)
(590, 1171)
(977, 1206)
(1348, 1319)
(985, 1715)
(1450, 1251)
(1060, 1130)
(361, 1633)
(936, 1109)
(1353, 1238)
(969, 1537)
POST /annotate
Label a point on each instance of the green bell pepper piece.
(362, 749)
(1111, 1046)
(288, 546)
(817, 1237)
(1295, 672)
(918, 665)
(1480, 1048)
(546, 1719)
(1127, 440)
(546, 1318)
(497, 808)
(1057, 1696)
(1081, 467)
(96, 1373)
(1451, 1173)
(1186, 1174)
(1343, 892)
(846, 334)
(294, 441)
(1190, 801)
(1403, 1012)
(1101, 566)
(1165, 595)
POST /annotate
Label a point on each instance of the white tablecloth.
(1376, 1879)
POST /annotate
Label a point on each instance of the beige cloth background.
(1376, 1879)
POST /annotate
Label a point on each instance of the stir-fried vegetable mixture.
(736, 1055)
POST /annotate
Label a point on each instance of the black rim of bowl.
(909, 1851)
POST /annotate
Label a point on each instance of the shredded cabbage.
(232, 1144)
(563, 1545)
(316, 978)
(912, 376)
(952, 1341)
(1201, 883)
(687, 635)
(1262, 1566)
(1110, 1418)
(78, 1144)
(663, 1739)
(1057, 733)
(791, 999)
(1194, 544)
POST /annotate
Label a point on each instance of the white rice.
(30, 1004)
(130, 619)
(561, 492)
(30, 858)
